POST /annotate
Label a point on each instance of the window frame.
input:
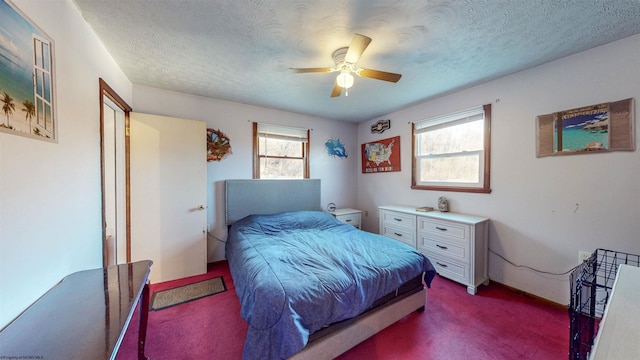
(43, 86)
(257, 156)
(485, 161)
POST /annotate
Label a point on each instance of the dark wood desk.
(84, 316)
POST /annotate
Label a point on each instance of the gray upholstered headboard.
(266, 196)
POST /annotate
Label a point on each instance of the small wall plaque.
(380, 126)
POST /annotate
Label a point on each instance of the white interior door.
(168, 195)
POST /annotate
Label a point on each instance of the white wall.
(338, 175)
(50, 210)
(542, 210)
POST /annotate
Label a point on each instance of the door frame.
(107, 91)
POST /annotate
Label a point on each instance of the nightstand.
(348, 216)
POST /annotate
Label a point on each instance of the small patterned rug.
(182, 294)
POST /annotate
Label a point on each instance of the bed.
(311, 287)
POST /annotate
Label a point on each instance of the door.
(114, 167)
(114, 181)
(168, 195)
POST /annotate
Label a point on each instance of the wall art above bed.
(590, 129)
(381, 156)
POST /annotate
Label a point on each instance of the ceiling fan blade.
(337, 90)
(312, 70)
(358, 44)
(379, 75)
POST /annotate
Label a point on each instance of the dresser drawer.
(450, 269)
(403, 235)
(398, 220)
(444, 229)
(455, 250)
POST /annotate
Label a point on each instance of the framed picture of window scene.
(27, 86)
(586, 130)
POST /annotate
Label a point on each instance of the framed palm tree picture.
(27, 87)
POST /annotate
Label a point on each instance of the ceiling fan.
(345, 60)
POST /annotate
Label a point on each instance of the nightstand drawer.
(398, 220)
(348, 216)
(351, 219)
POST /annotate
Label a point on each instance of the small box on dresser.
(456, 244)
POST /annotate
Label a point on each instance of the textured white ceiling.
(240, 50)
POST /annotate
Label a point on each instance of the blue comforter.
(296, 272)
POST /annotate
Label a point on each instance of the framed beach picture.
(381, 156)
(590, 129)
(27, 87)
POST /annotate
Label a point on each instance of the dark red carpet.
(494, 324)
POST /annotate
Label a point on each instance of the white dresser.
(456, 244)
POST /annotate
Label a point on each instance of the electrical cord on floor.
(216, 238)
(530, 268)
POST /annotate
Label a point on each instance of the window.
(280, 152)
(452, 152)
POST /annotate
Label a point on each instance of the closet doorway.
(114, 164)
(154, 189)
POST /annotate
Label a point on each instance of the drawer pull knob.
(442, 247)
(396, 219)
(441, 229)
(441, 264)
(348, 220)
(398, 234)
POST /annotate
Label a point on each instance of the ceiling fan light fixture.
(345, 80)
(345, 60)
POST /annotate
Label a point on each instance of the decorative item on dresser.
(443, 204)
(457, 244)
(348, 216)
